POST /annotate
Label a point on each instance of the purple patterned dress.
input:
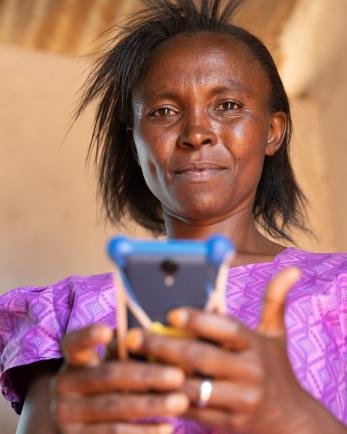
(34, 319)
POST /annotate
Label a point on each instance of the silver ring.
(205, 393)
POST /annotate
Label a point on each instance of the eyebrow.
(231, 85)
(164, 94)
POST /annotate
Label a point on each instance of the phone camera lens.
(168, 266)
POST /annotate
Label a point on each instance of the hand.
(254, 388)
(92, 396)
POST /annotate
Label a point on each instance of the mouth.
(202, 171)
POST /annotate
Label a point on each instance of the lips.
(198, 171)
(198, 166)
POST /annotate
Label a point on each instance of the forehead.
(204, 59)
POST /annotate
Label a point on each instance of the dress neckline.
(276, 259)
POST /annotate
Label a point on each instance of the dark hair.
(279, 202)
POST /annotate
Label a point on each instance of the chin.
(200, 210)
(195, 205)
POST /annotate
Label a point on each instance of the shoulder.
(322, 287)
(34, 319)
(316, 319)
(317, 261)
(320, 272)
(68, 303)
(80, 299)
(18, 300)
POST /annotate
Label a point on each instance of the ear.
(277, 130)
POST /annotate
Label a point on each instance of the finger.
(111, 352)
(192, 355)
(225, 421)
(117, 428)
(221, 329)
(119, 407)
(121, 376)
(80, 346)
(225, 395)
(272, 319)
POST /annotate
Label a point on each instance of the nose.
(196, 132)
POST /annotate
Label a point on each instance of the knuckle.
(116, 428)
(137, 376)
(197, 356)
(153, 402)
(253, 365)
(60, 411)
(72, 429)
(156, 344)
(112, 404)
(237, 422)
(146, 374)
(194, 318)
(257, 373)
(107, 372)
(253, 398)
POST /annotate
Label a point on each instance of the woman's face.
(202, 126)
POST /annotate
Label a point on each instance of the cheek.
(153, 152)
(240, 132)
(247, 139)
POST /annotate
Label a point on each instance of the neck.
(239, 226)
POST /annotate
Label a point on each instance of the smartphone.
(158, 276)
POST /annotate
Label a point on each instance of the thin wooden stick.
(122, 324)
(125, 302)
(139, 313)
(217, 300)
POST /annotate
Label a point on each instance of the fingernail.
(94, 361)
(135, 339)
(165, 429)
(295, 272)
(173, 376)
(87, 358)
(102, 332)
(177, 403)
(178, 317)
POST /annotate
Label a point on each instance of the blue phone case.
(161, 275)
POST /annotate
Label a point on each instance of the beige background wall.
(49, 224)
(314, 69)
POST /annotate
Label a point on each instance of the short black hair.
(279, 203)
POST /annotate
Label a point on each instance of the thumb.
(80, 347)
(272, 319)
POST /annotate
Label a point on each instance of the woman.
(192, 137)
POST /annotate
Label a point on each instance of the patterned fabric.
(33, 321)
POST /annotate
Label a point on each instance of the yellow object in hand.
(160, 329)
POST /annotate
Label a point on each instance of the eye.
(163, 112)
(228, 106)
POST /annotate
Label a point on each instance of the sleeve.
(335, 324)
(33, 321)
(325, 341)
(316, 319)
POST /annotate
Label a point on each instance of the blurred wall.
(47, 206)
(48, 212)
(314, 70)
(49, 223)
